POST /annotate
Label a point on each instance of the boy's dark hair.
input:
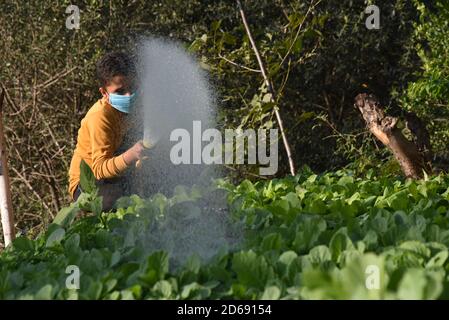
(114, 64)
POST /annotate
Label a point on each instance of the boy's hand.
(147, 145)
(134, 153)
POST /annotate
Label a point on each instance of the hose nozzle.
(148, 144)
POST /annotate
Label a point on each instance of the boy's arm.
(102, 136)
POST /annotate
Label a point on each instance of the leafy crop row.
(303, 237)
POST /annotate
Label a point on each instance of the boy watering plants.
(103, 130)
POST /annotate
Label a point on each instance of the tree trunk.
(413, 156)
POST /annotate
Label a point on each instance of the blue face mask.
(121, 102)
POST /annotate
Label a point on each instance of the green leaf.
(127, 295)
(136, 291)
(399, 201)
(156, 268)
(370, 240)
(71, 245)
(115, 295)
(339, 243)
(308, 233)
(193, 264)
(271, 293)
(416, 247)
(317, 206)
(287, 257)
(94, 291)
(66, 216)
(195, 291)
(279, 207)
(44, 293)
(162, 289)
(267, 98)
(288, 266)
(272, 241)
(251, 270)
(23, 244)
(438, 260)
(418, 284)
(87, 178)
(55, 237)
(293, 200)
(115, 258)
(319, 255)
(110, 285)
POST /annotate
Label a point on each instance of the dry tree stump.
(413, 156)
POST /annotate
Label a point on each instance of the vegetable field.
(329, 236)
(337, 113)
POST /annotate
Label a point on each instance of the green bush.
(429, 95)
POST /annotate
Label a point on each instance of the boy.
(103, 129)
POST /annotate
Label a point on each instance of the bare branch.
(238, 65)
(53, 80)
(269, 88)
(30, 187)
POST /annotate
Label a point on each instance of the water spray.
(175, 94)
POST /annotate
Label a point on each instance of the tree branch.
(237, 65)
(411, 159)
(269, 88)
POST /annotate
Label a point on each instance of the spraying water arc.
(175, 94)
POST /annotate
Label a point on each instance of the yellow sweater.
(100, 135)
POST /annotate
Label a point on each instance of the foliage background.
(319, 55)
